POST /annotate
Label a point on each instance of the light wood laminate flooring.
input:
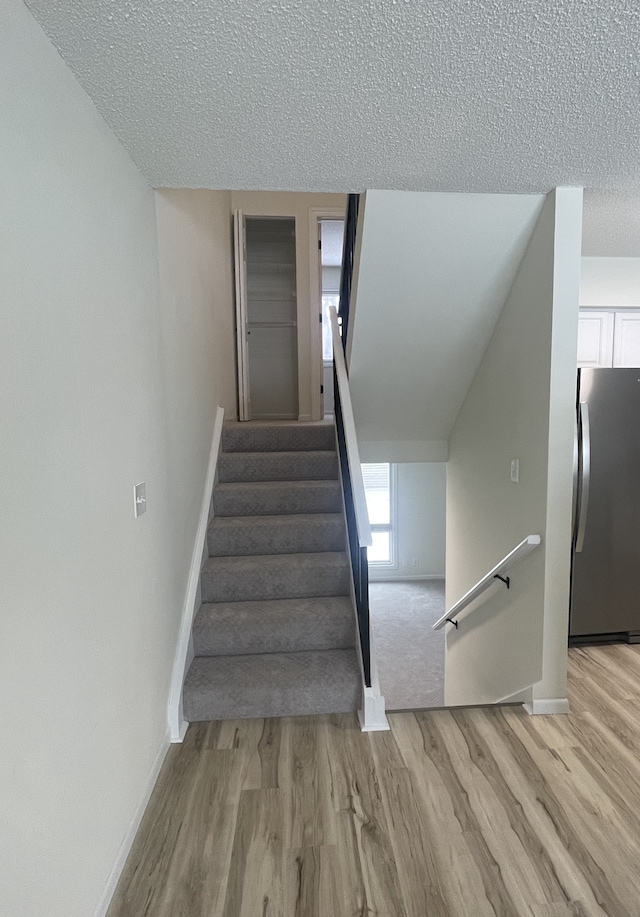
(475, 812)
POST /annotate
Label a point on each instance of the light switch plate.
(139, 499)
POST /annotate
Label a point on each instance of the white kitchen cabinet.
(595, 338)
(626, 339)
(609, 338)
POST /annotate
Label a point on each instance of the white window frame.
(391, 526)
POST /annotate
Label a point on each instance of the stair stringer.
(184, 650)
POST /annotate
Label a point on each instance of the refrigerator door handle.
(585, 475)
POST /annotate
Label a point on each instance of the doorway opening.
(266, 317)
(331, 238)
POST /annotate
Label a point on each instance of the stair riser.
(294, 684)
(244, 628)
(239, 501)
(283, 466)
(219, 708)
(294, 638)
(227, 541)
(254, 585)
(274, 438)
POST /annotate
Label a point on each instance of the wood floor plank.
(269, 752)
(255, 886)
(244, 736)
(385, 750)
(413, 845)
(197, 879)
(310, 816)
(363, 825)
(462, 881)
(503, 817)
(496, 890)
(314, 883)
(303, 882)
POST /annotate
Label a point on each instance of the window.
(328, 299)
(379, 493)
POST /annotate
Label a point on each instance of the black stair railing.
(357, 550)
(346, 275)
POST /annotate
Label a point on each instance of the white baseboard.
(184, 649)
(132, 830)
(547, 705)
(304, 418)
(400, 578)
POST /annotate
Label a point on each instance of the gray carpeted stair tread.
(273, 684)
(291, 534)
(277, 466)
(276, 626)
(269, 498)
(274, 576)
(298, 437)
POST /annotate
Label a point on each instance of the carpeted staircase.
(275, 633)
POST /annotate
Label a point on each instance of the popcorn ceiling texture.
(445, 95)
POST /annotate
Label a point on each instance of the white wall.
(292, 204)
(104, 383)
(610, 282)
(520, 405)
(432, 272)
(420, 522)
(197, 345)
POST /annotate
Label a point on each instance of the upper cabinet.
(609, 338)
(595, 338)
(626, 339)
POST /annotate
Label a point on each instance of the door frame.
(316, 214)
(242, 355)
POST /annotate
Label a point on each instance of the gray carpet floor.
(410, 654)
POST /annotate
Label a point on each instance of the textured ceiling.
(445, 95)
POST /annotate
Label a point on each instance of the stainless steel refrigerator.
(605, 577)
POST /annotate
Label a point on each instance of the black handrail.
(359, 562)
(348, 252)
(358, 553)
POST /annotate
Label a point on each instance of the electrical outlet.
(139, 499)
(515, 470)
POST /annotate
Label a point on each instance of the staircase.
(275, 634)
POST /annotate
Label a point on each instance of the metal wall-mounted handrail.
(497, 572)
